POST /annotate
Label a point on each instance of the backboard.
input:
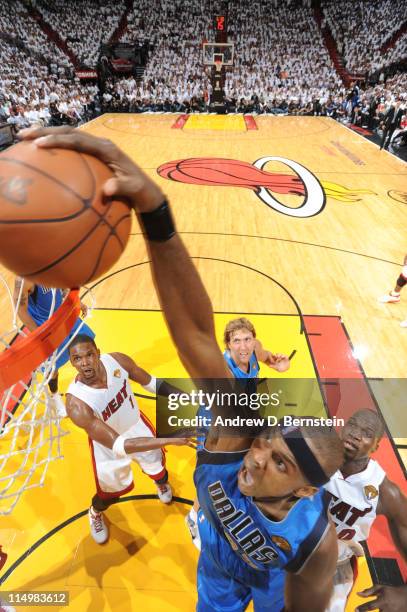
(218, 52)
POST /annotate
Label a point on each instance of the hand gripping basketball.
(129, 181)
(64, 206)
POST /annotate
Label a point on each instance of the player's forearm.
(103, 434)
(179, 286)
(140, 445)
(183, 298)
(262, 356)
(27, 319)
(261, 353)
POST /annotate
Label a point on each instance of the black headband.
(305, 458)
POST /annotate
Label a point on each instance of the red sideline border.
(250, 122)
(332, 353)
(180, 122)
(361, 130)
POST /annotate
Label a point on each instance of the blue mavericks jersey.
(40, 302)
(237, 524)
(237, 372)
(41, 308)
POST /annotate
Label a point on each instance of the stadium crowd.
(175, 29)
(361, 30)
(39, 85)
(31, 94)
(82, 25)
(18, 26)
(301, 68)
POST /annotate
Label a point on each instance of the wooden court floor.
(303, 244)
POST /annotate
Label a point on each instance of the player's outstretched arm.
(146, 380)
(184, 300)
(311, 589)
(82, 415)
(135, 372)
(187, 309)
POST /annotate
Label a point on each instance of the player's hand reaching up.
(388, 599)
(129, 181)
(277, 361)
(282, 362)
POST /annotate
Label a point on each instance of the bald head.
(361, 434)
(370, 419)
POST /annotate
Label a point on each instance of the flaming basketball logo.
(220, 172)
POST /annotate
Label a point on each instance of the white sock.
(193, 514)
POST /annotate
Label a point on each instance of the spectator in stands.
(391, 122)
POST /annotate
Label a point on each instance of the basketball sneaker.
(164, 493)
(98, 528)
(193, 530)
(390, 298)
(58, 405)
(403, 323)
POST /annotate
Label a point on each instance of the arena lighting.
(360, 351)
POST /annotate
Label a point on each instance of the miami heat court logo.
(300, 182)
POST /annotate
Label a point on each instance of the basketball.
(56, 228)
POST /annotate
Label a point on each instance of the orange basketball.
(55, 227)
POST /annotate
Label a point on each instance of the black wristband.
(159, 224)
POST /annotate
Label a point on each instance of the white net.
(30, 418)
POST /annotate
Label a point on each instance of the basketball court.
(296, 223)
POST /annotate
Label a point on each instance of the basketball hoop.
(218, 65)
(30, 429)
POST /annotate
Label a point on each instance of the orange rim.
(25, 356)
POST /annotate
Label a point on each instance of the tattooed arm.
(22, 289)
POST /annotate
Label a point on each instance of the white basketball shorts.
(113, 476)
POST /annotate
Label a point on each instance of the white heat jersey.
(116, 405)
(353, 507)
